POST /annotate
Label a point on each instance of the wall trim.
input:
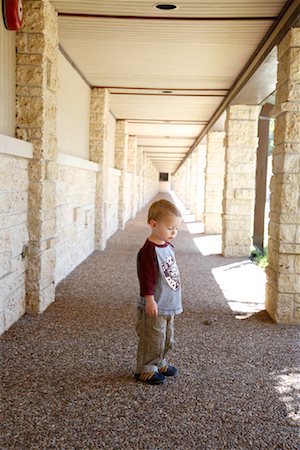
(113, 171)
(73, 161)
(15, 147)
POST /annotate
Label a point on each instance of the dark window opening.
(163, 176)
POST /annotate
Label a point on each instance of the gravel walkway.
(67, 375)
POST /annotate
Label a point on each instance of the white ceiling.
(196, 51)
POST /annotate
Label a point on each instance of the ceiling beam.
(167, 18)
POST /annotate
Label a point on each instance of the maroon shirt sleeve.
(147, 269)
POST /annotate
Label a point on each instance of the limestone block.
(287, 128)
(238, 237)
(28, 59)
(41, 265)
(242, 142)
(29, 112)
(288, 92)
(242, 207)
(14, 201)
(50, 170)
(29, 75)
(5, 263)
(288, 233)
(240, 168)
(291, 39)
(235, 250)
(288, 282)
(289, 67)
(235, 155)
(286, 163)
(284, 312)
(33, 17)
(14, 307)
(38, 301)
(237, 127)
(288, 248)
(21, 43)
(42, 195)
(10, 283)
(37, 170)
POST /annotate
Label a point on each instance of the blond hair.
(162, 208)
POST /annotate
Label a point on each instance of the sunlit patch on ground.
(243, 286)
(209, 245)
(288, 386)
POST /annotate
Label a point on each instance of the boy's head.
(164, 219)
(158, 210)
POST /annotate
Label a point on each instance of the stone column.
(201, 163)
(214, 182)
(36, 78)
(121, 156)
(132, 168)
(187, 180)
(139, 169)
(241, 142)
(283, 270)
(99, 111)
(193, 182)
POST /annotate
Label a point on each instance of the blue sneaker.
(150, 377)
(168, 371)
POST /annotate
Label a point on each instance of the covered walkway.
(67, 374)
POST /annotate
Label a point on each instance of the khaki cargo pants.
(156, 338)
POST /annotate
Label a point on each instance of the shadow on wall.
(242, 283)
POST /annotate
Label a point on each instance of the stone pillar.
(99, 111)
(188, 185)
(193, 182)
(36, 92)
(121, 156)
(214, 182)
(132, 168)
(283, 270)
(201, 163)
(139, 169)
(239, 183)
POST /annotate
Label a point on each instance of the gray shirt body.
(167, 286)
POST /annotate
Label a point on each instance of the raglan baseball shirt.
(159, 276)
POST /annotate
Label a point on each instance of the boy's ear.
(152, 223)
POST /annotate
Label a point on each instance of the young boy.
(160, 294)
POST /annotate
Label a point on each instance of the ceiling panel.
(196, 8)
(195, 53)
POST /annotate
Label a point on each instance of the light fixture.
(165, 6)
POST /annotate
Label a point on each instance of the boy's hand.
(151, 306)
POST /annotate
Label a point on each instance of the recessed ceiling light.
(165, 6)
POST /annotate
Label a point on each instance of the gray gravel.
(67, 375)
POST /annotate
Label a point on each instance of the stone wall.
(7, 80)
(73, 111)
(214, 182)
(14, 182)
(283, 270)
(241, 142)
(75, 212)
(191, 193)
(151, 182)
(112, 202)
(128, 180)
(36, 79)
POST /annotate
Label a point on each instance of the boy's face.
(165, 229)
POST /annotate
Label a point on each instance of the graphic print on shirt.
(171, 273)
